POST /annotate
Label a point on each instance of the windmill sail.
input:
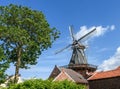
(86, 34)
(71, 33)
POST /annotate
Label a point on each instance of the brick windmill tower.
(78, 61)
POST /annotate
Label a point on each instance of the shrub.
(46, 84)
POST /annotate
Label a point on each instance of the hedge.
(46, 84)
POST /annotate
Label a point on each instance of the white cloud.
(103, 50)
(100, 30)
(111, 63)
(112, 27)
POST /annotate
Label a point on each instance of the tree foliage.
(46, 84)
(4, 64)
(24, 34)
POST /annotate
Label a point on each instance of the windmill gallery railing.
(83, 65)
(80, 66)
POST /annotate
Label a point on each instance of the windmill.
(78, 61)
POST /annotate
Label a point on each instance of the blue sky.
(104, 46)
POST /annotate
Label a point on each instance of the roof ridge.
(118, 68)
(58, 67)
(110, 70)
(92, 75)
(106, 74)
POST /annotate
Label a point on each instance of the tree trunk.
(17, 65)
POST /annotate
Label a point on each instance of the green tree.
(24, 34)
(4, 64)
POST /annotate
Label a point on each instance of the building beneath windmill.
(78, 70)
(105, 79)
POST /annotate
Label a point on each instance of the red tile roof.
(106, 74)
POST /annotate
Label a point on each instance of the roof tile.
(78, 78)
(106, 74)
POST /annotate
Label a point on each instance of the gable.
(56, 71)
(63, 76)
(71, 75)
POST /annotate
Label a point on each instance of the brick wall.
(62, 76)
(110, 83)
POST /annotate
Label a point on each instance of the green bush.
(46, 84)
(66, 85)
